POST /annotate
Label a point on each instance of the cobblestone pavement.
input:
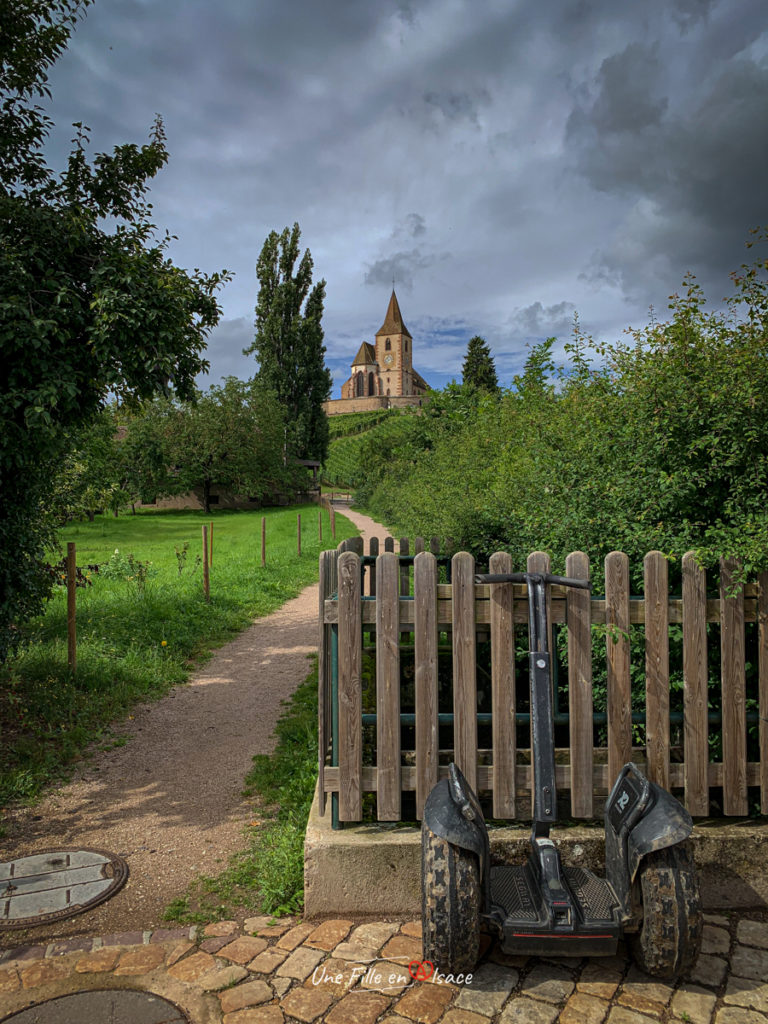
(290, 971)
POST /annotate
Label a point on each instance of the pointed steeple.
(393, 321)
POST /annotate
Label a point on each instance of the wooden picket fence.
(388, 601)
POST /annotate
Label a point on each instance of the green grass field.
(142, 624)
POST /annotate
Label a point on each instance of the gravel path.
(169, 800)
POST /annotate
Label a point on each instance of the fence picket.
(732, 673)
(580, 687)
(387, 689)
(464, 678)
(350, 689)
(425, 641)
(695, 698)
(418, 546)
(389, 543)
(434, 545)
(657, 667)
(326, 587)
(619, 695)
(504, 738)
(762, 657)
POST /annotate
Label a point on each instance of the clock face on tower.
(388, 358)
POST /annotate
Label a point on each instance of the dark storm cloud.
(398, 269)
(504, 162)
(539, 321)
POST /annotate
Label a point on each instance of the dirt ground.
(169, 801)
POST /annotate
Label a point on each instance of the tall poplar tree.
(479, 370)
(289, 342)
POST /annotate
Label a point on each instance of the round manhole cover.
(55, 884)
(102, 1006)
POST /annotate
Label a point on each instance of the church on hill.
(382, 374)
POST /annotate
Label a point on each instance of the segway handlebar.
(533, 577)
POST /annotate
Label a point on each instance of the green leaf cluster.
(90, 303)
(661, 445)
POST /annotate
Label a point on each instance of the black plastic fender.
(651, 819)
(452, 811)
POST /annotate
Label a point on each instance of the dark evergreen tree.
(479, 370)
(289, 342)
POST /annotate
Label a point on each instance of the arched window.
(371, 387)
(406, 344)
(388, 345)
(360, 385)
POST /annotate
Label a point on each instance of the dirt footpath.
(169, 801)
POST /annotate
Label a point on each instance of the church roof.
(366, 354)
(393, 321)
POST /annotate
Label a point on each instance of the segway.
(650, 895)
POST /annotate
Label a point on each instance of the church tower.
(382, 374)
(394, 352)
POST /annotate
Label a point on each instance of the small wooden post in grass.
(206, 574)
(298, 534)
(263, 541)
(71, 607)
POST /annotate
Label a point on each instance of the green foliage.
(90, 304)
(268, 876)
(289, 342)
(140, 626)
(230, 437)
(479, 369)
(663, 446)
(355, 422)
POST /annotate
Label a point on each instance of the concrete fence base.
(374, 870)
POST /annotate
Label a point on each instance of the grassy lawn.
(141, 625)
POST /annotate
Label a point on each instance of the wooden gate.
(388, 623)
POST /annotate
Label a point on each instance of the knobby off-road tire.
(450, 907)
(669, 941)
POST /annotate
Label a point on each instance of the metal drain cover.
(102, 1006)
(55, 884)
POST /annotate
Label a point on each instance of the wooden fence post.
(656, 595)
(388, 753)
(71, 607)
(618, 683)
(732, 677)
(503, 698)
(695, 697)
(464, 667)
(425, 656)
(263, 541)
(350, 688)
(206, 574)
(579, 616)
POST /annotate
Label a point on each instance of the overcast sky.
(508, 163)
